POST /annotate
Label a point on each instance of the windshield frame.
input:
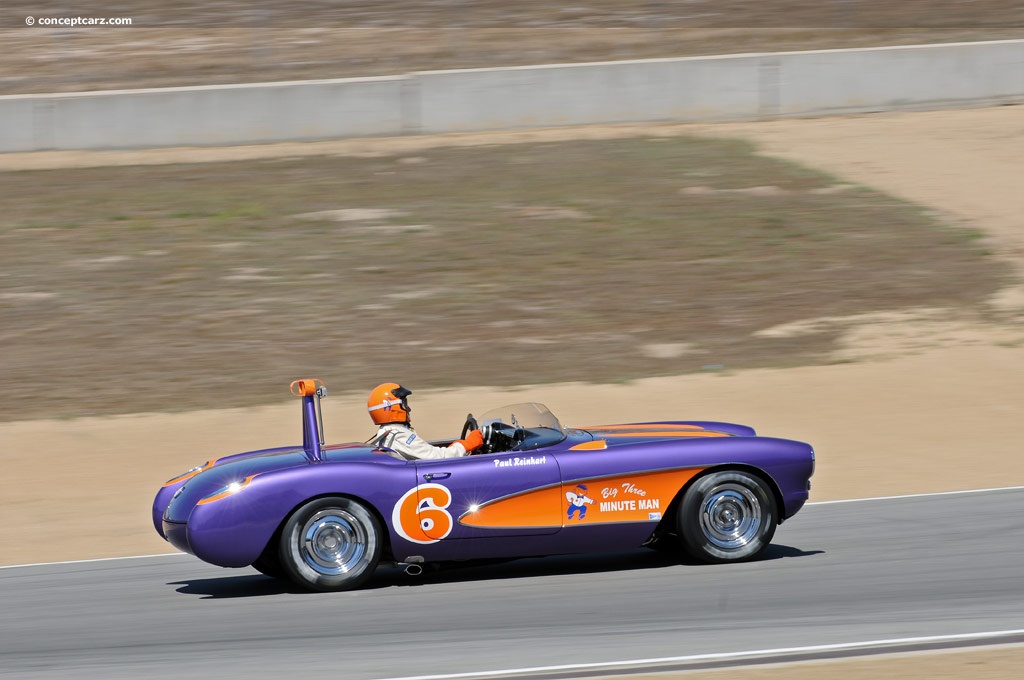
(527, 414)
(533, 424)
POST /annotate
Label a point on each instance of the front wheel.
(269, 564)
(727, 516)
(331, 544)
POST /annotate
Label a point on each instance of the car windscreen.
(529, 424)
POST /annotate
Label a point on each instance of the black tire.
(269, 564)
(727, 516)
(331, 544)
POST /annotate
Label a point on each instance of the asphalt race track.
(838, 574)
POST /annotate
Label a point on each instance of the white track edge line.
(917, 495)
(97, 559)
(723, 656)
(835, 502)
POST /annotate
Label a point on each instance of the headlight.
(229, 490)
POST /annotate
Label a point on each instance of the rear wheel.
(331, 544)
(727, 516)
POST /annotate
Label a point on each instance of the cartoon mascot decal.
(578, 501)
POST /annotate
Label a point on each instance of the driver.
(389, 408)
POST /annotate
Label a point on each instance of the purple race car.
(326, 516)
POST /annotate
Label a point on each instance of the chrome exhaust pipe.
(413, 569)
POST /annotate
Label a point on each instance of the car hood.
(218, 475)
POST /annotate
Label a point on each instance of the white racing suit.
(404, 441)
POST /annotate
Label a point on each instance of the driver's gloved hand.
(473, 441)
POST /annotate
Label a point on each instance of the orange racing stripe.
(596, 445)
(189, 475)
(648, 433)
(642, 426)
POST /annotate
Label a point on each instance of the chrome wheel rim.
(730, 516)
(334, 542)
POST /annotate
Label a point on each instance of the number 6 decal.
(420, 516)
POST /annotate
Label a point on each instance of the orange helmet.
(387, 404)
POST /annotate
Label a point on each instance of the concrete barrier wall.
(649, 90)
(688, 89)
(900, 77)
(214, 115)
